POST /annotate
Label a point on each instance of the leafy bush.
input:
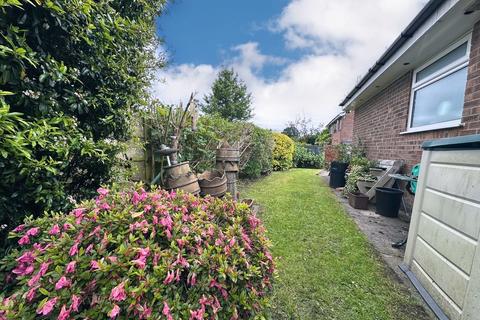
(282, 152)
(141, 255)
(324, 137)
(304, 158)
(70, 74)
(261, 152)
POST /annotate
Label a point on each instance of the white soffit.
(445, 26)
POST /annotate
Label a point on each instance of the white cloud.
(343, 39)
(175, 84)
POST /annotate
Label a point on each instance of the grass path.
(327, 269)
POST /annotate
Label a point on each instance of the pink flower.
(55, 230)
(31, 294)
(94, 265)
(144, 252)
(64, 313)
(140, 263)
(39, 247)
(89, 248)
(67, 226)
(118, 293)
(75, 302)
(19, 228)
(47, 307)
(192, 280)
(181, 242)
(33, 232)
(78, 213)
(73, 250)
(26, 257)
(43, 268)
(102, 191)
(114, 312)
(166, 311)
(23, 269)
(137, 197)
(71, 267)
(105, 206)
(33, 281)
(112, 259)
(169, 278)
(62, 283)
(24, 240)
(96, 231)
(146, 313)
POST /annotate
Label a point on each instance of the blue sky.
(204, 32)
(299, 58)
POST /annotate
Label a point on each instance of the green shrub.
(140, 255)
(260, 157)
(72, 71)
(282, 152)
(304, 158)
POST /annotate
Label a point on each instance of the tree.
(324, 137)
(71, 72)
(292, 132)
(229, 98)
(304, 129)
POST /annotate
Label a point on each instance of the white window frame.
(440, 74)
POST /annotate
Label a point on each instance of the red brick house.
(341, 128)
(425, 86)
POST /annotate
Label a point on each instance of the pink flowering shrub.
(139, 255)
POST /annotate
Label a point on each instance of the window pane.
(440, 101)
(444, 61)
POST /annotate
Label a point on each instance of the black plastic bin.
(388, 201)
(337, 174)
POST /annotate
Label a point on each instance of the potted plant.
(359, 171)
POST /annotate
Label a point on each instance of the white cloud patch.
(342, 38)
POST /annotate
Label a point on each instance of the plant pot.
(388, 201)
(213, 183)
(180, 176)
(358, 200)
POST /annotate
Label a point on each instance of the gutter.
(340, 115)
(409, 31)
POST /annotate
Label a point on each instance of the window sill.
(418, 130)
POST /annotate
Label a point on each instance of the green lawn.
(326, 267)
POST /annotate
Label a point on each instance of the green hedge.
(71, 72)
(304, 158)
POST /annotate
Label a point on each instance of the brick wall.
(345, 134)
(379, 121)
(330, 153)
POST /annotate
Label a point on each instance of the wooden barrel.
(180, 176)
(228, 154)
(227, 166)
(213, 183)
